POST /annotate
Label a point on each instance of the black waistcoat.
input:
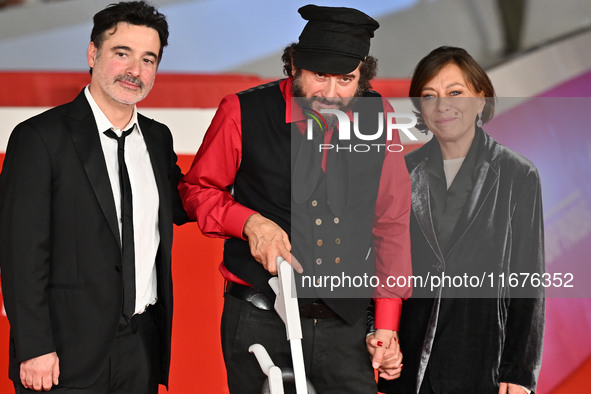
(327, 243)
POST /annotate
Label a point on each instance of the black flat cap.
(334, 40)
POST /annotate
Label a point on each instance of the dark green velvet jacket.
(470, 339)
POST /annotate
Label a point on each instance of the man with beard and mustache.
(88, 196)
(326, 213)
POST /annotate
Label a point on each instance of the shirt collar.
(102, 123)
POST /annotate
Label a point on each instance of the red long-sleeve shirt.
(205, 191)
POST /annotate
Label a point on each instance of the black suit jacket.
(473, 338)
(59, 241)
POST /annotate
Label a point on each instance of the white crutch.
(286, 305)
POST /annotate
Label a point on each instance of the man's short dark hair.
(137, 13)
(367, 71)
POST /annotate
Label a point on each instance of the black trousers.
(133, 364)
(335, 354)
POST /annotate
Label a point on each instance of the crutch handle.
(262, 356)
(286, 302)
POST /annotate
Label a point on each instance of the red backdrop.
(197, 364)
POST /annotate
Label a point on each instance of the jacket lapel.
(81, 124)
(421, 206)
(157, 152)
(486, 178)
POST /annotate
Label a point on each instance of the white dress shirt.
(145, 200)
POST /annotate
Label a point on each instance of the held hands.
(386, 357)
(510, 388)
(267, 241)
(40, 373)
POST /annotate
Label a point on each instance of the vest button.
(314, 203)
(319, 242)
(318, 281)
(318, 222)
(337, 260)
(318, 261)
(336, 220)
(337, 241)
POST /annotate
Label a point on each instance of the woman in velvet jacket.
(477, 216)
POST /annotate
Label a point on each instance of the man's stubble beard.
(297, 90)
(109, 84)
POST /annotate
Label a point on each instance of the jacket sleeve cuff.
(388, 313)
(524, 377)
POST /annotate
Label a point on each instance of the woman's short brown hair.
(430, 65)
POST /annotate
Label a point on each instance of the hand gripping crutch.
(286, 305)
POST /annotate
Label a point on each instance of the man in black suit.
(87, 201)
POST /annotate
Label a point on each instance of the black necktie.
(127, 247)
